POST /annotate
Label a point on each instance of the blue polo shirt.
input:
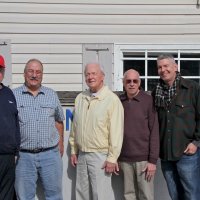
(37, 117)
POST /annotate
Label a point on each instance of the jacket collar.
(138, 97)
(184, 83)
(101, 94)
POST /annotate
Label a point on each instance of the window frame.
(120, 49)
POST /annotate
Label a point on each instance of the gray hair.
(166, 56)
(95, 63)
(33, 60)
(131, 70)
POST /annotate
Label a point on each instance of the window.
(144, 61)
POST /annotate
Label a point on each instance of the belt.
(37, 150)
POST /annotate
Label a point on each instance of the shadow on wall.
(71, 175)
(117, 184)
(160, 186)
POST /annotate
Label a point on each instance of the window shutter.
(101, 53)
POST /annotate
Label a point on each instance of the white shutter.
(101, 53)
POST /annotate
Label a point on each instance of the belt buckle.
(37, 150)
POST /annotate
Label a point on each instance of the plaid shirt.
(37, 116)
(179, 123)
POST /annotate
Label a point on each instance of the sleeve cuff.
(196, 143)
(111, 159)
(153, 160)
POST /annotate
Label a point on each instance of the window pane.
(142, 83)
(190, 55)
(138, 65)
(156, 54)
(190, 68)
(152, 68)
(134, 55)
(151, 84)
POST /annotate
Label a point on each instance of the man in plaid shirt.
(41, 128)
(178, 104)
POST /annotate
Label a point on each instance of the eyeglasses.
(32, 72)
(135, 81)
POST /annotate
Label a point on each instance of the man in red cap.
(9, 137)
(2, 62)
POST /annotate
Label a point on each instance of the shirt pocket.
(24, 112)
(47, 110)
(183, 109)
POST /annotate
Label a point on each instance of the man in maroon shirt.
(140, 148)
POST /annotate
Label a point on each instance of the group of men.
(130, 133)
(108, 133)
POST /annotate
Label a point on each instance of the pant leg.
(172, 178)
(129, 176)
(82, 179)
(188, 168)
(144, 189)
(50, 171)
(101, 185)
(26, 176)
(7, 176)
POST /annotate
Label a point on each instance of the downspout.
(197, 5)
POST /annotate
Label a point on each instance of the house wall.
(54, 32)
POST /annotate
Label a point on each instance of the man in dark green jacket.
(178, 104)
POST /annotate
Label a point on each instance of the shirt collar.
(138, 97)
(100, 95)
(25, 89)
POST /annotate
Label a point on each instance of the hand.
(61, 148)
(191, 149)
(111, 167)
(74, 160)
(149, 171)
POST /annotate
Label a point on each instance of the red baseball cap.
(2, 62)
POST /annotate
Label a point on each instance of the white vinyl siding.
(54, 31)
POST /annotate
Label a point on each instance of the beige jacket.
(98, 124)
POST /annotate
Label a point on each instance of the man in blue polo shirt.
(9, 137)
(41, 127)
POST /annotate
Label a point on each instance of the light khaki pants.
(92, 183)
(135, 185)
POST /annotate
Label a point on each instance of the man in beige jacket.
(96, 137)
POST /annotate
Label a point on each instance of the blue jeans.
(183, 177)
(48, 165)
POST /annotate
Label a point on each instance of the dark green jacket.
(179, 124)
